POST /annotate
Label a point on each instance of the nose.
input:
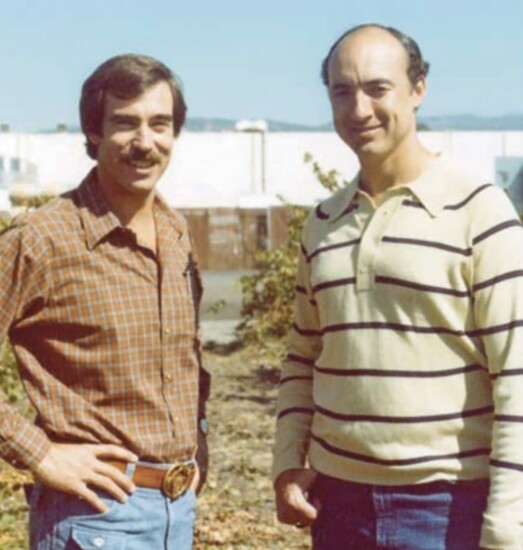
(362, 107)
(143, 138)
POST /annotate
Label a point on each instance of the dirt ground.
(236, 508)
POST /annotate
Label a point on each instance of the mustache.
(137, 154)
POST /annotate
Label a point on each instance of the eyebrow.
(367, 83)
(117, 117)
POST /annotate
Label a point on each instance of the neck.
(126, 205)
(405, 164)
(133, 210)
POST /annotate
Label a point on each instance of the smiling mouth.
(364, 129)
(141, 164)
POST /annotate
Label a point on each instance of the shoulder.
(463, 190)
(320, 218)
(47, 220)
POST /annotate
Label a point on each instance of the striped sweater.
(405, 362)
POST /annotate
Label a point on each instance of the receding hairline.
(417, 66)
(373, 29)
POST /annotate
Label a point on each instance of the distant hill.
(437, 123)
(473, 122)
(452, 122)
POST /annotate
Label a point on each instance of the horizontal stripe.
(395, 282)
(414, 204)
(332, 284)
(300, 289)
(349, 210)
(456, 206)
(292, 378)
(373, 325)
(498, 279)
(508, 418)
(305, 332)
(300, 359)
(404, 419)
(423, 330)
(428, 244)
(496, 229)
(505, 373)
(425, 288)
(398, 462)
(507, 465)
(469, 198)
(320, 214)
(400, 373)
(497, 328)
(295, 410)
(344, 244)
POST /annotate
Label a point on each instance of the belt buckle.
(177, 480)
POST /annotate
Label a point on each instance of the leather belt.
(173, 481)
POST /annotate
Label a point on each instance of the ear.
(95, 139)
(418, 92)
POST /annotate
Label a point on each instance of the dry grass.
(236, 508)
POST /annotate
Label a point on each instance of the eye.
(378, 90)
(124, 123)
(342, 92)
(161, 125)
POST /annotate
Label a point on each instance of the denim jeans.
(431, 516)
(147, 521)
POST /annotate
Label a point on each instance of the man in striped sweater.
(400, 410)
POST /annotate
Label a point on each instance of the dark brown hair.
(125, 76)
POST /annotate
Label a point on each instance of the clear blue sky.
(245, 59)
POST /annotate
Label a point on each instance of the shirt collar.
(98, 219)
(430, 189)
(342, 201)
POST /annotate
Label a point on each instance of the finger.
(93, 499)
(108, 486)
(114, 452)
(196, 480)
(113, 473)
(293, 507)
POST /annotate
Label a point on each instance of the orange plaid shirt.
(104, 330)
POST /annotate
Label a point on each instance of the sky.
(243, 59)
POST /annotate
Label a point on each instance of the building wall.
(212, 169)
(230, 184)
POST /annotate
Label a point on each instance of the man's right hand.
(74, 468)
(292, 504)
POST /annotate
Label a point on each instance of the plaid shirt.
(104, 330)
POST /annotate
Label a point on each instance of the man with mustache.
(400, 418)
(99, 295)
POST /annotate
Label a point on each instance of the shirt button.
(167, 331)
(168, 376)
(98, 542)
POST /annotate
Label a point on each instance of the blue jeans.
(431, 516)
(147, 521)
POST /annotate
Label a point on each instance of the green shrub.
(268, 293)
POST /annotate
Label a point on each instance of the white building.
(233, 169)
